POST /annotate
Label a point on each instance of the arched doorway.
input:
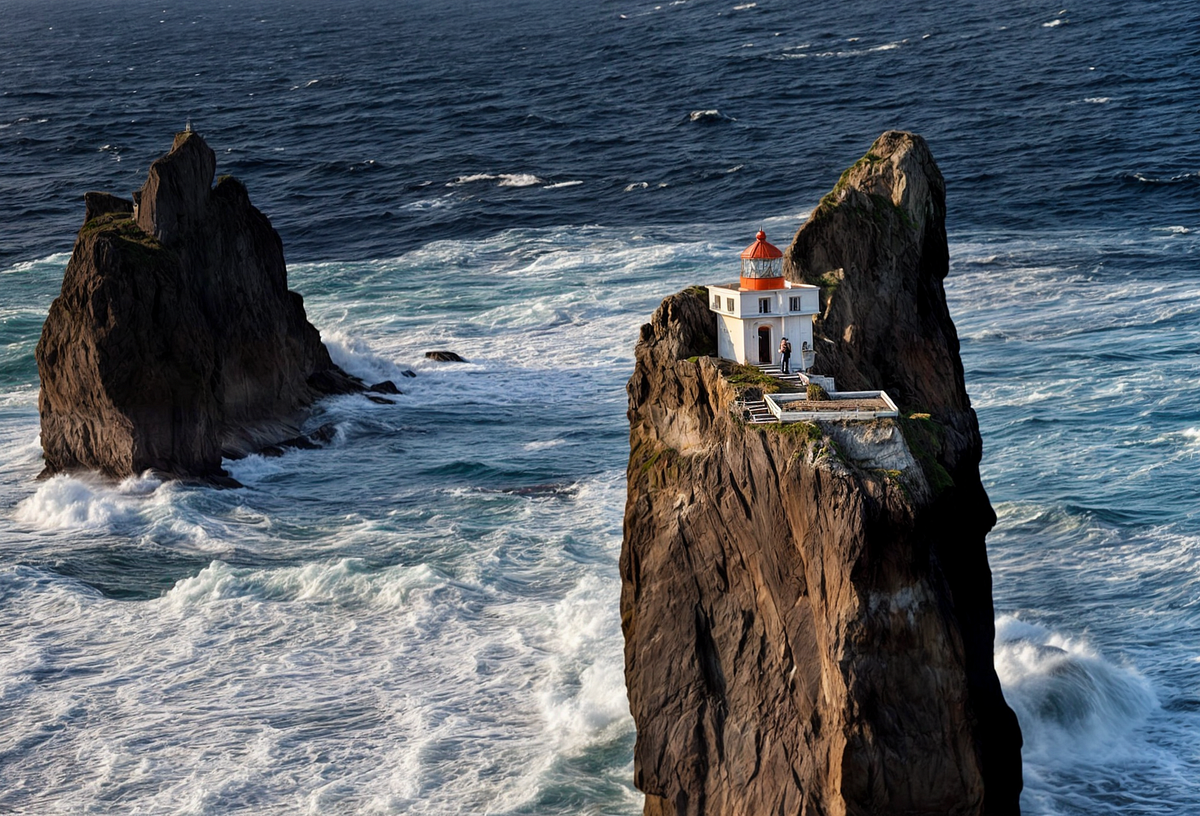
(764, 344)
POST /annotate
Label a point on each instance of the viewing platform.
(798, 407)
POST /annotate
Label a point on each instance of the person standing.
(785, 356)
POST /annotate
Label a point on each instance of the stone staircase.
(755, 412)
(776, 372)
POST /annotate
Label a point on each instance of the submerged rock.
(807, 608)
(175, 340)
(444, 357)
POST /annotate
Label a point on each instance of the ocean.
(422, 617)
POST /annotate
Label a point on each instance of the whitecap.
(543, 444)
(1097, 100)
(347, 581)
(430, 203)
(709, 116)
(355, 356)
(1072, 703)
(518, 180)
(73, 503)
(502, 179)
(471, 179)
(1052, 24)
(1189, 437)
(583, 697)
(560, 184)
(745, 6)
(56, 259)
(254, 468)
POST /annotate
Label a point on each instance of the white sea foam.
(637, 185)
(501, 179)
(1053, 23)
(430, 203)
(853, 52)
(348, 581)
(1077, 711)
(560, 184)
(253, 469)
(519, 180)
(70, 503)
(583, 696)
(57, 259)
(1097, 100)
(471, 179)
(543, 444)
(355, 356)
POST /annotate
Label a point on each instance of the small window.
(794, 304)
(764, 305)
(729, 304)
(717, 302)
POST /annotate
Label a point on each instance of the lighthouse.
(761, 308)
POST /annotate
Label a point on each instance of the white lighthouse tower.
(762, 308)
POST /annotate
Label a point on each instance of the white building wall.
(737, 330)
(731, 344)
(750, 338)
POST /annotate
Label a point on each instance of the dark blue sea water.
(422, 618)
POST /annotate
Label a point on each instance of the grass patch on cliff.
(661, 468)
(669, 453)
(122, 226)
(925, 437)
(830, 199)
(742, 377)
(829, 283)
(880, 205)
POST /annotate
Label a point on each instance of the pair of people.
(785, 356)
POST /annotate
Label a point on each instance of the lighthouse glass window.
(764, 305)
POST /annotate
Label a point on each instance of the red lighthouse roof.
(761, 250)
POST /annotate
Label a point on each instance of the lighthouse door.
(764, 344)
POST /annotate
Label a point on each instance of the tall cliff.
(175, 339)
(807, 608)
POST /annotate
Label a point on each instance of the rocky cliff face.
(175, 339)
(807, 609)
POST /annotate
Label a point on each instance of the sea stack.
(807, 607)
(175, 340)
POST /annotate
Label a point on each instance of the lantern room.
(762, 265)
(760, 310)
